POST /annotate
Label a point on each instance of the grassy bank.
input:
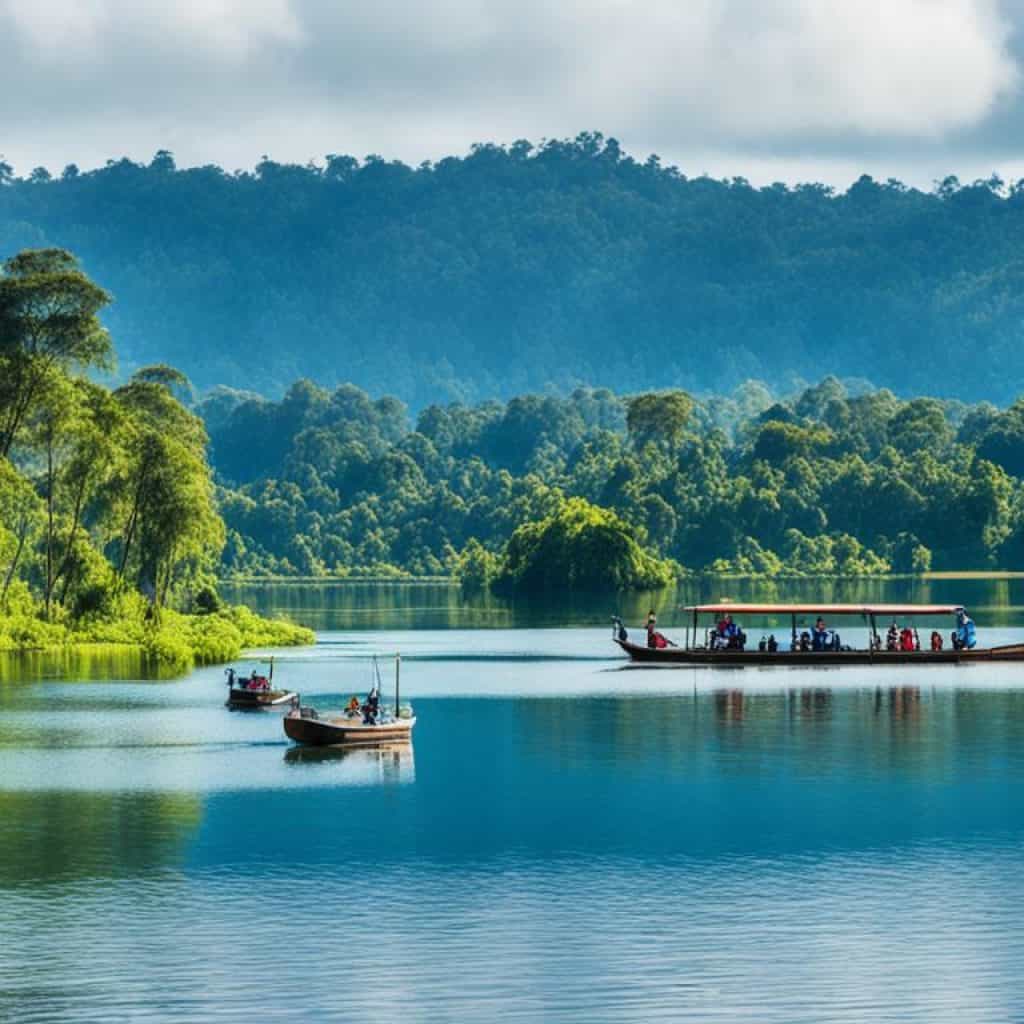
(176, 640)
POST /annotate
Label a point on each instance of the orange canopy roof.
(734, 607)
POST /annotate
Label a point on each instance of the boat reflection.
(384, 763)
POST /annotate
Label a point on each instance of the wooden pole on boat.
(398, 663)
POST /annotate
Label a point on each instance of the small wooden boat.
(703, 647)
(256, 692)
(304, 725)
(371, 725)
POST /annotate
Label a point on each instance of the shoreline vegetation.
(122, 507)
(453, 580)
(109, 529)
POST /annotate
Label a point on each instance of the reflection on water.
(355, 605)
(384, 763)
(563, 841)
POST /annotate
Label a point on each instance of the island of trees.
(595, 489)
(109, 530)
(516, 268)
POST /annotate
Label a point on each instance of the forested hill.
(517, 268)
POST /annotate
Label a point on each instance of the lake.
(568, 839)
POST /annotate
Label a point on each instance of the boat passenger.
(892, 638)
(936, 640)
(773, 644)
(372, 707)
(819, 635)
(652, 620)
(762, 644)
(805, 641)
(906, 639)
(965, 631)
(353, 706)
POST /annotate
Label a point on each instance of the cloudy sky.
(767, 89)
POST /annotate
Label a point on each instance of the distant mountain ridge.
(526, 268)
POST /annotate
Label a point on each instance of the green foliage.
(582, 547)
(107, 510)
(515, 268)
(658, 416)
(835, 479)
(476, 567)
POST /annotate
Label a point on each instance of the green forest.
(109, 528)
(530, 268)
(602, 490)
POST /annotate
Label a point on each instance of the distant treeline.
(598, 487)
(521, 268)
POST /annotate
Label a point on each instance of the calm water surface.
(570, 839)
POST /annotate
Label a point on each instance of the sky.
(788, 90)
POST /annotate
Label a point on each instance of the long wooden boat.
(697, 648)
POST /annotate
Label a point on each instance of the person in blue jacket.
(966, 634)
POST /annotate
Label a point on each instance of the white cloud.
(227, 80)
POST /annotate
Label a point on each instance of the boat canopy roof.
(734, 607)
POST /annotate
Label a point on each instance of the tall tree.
(48, 321)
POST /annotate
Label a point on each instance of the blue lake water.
(569, 839)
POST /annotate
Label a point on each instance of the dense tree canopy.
(824, 481)
(514, 269)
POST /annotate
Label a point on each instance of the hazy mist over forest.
(529, 268)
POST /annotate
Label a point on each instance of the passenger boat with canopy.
(811, 641)
(365, 724)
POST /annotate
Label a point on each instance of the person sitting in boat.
(819, 636)
(354, 706)
(936, 640)
(657, 640)
(372, 707)
(652, 620)
(729, 634)
(966, 635)
(892, 638)
(762, 644)
(805, 641)
(906, 639)
(773, 644)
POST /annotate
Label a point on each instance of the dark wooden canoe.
(703, 656)
(304, 726)
(258, 700)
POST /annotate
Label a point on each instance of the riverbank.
(176, 640)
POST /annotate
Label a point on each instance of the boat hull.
(335, 732)
(682, 656)
(258, 700)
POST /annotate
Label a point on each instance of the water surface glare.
(568, 839)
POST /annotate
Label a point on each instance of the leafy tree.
(659, 416)
(48, 323)
(581, 546)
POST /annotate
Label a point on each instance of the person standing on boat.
(372, 707)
